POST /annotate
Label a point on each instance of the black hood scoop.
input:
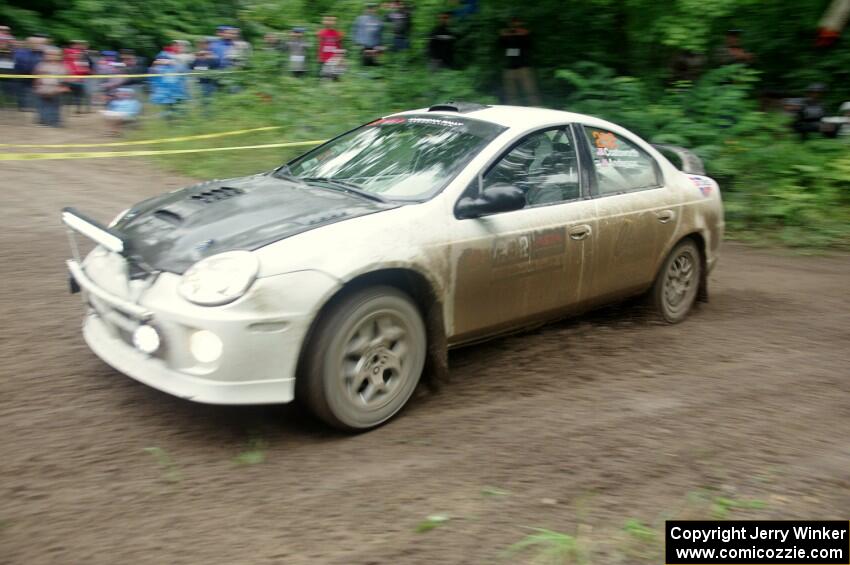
(172, 231)
(217, 194)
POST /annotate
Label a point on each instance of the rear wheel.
(677, 284)
(364, 360)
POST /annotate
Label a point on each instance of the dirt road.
(581, 427)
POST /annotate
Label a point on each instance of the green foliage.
(722, 506)
(640, 531)
(550, 547)
(145, 26)
(431, 522)
(604, 57)
(253, 455)
(170, 470)
(636, 37)
(307, 109)
(774, 185)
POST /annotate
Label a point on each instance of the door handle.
(580, 232)
(665, 216)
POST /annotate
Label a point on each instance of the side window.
(543, 165)
(620, 165)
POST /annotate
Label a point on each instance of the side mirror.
(492, 200)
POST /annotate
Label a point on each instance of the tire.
(364, 359)
(676, 287)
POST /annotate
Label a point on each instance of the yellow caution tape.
(144, 142)
(119, 75)
(144, 153)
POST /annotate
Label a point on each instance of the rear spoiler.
(691, 164)
(94, 230)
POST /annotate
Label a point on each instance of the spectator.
(7, 66)
(731, 52)
(515, 41)
(400, 22)
(441, 44)
(181, 51)
(121, 111)
(133, 65)
(368, 30)
(222, 47)
(78, 65)
(27, 57)
(205, 60)
(296, 48)
(89, 85)
(106, 66)
(240, 52)
(330, 39)
(167, 89)
(811, 112)
(49, 90)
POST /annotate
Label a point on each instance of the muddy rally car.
(341, 276)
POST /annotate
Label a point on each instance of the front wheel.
(677, 284)
(364, 360)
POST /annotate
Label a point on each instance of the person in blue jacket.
(26, 58)
(167, 89)
(223, 46)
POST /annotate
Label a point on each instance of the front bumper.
(261, 333)
(155, 373)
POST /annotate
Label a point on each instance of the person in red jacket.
(330, 40)
(76, 61)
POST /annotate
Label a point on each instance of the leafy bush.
(774, 185)
(307, 109)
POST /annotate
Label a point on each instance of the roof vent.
(459, 107)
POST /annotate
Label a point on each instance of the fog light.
(146, 339)
(205, 346)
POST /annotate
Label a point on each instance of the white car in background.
(338, 277)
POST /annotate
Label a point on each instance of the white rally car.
(340, 276)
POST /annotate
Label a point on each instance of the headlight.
(219, 279)
(117, 218)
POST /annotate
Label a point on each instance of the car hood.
(172, 231)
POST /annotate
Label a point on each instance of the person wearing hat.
(296, 49)
(122, 110)
(222, 47)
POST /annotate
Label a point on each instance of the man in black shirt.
(441, 44)
(515, 43)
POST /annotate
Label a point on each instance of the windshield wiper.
(347, 186)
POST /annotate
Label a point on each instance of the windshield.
(402, 157)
